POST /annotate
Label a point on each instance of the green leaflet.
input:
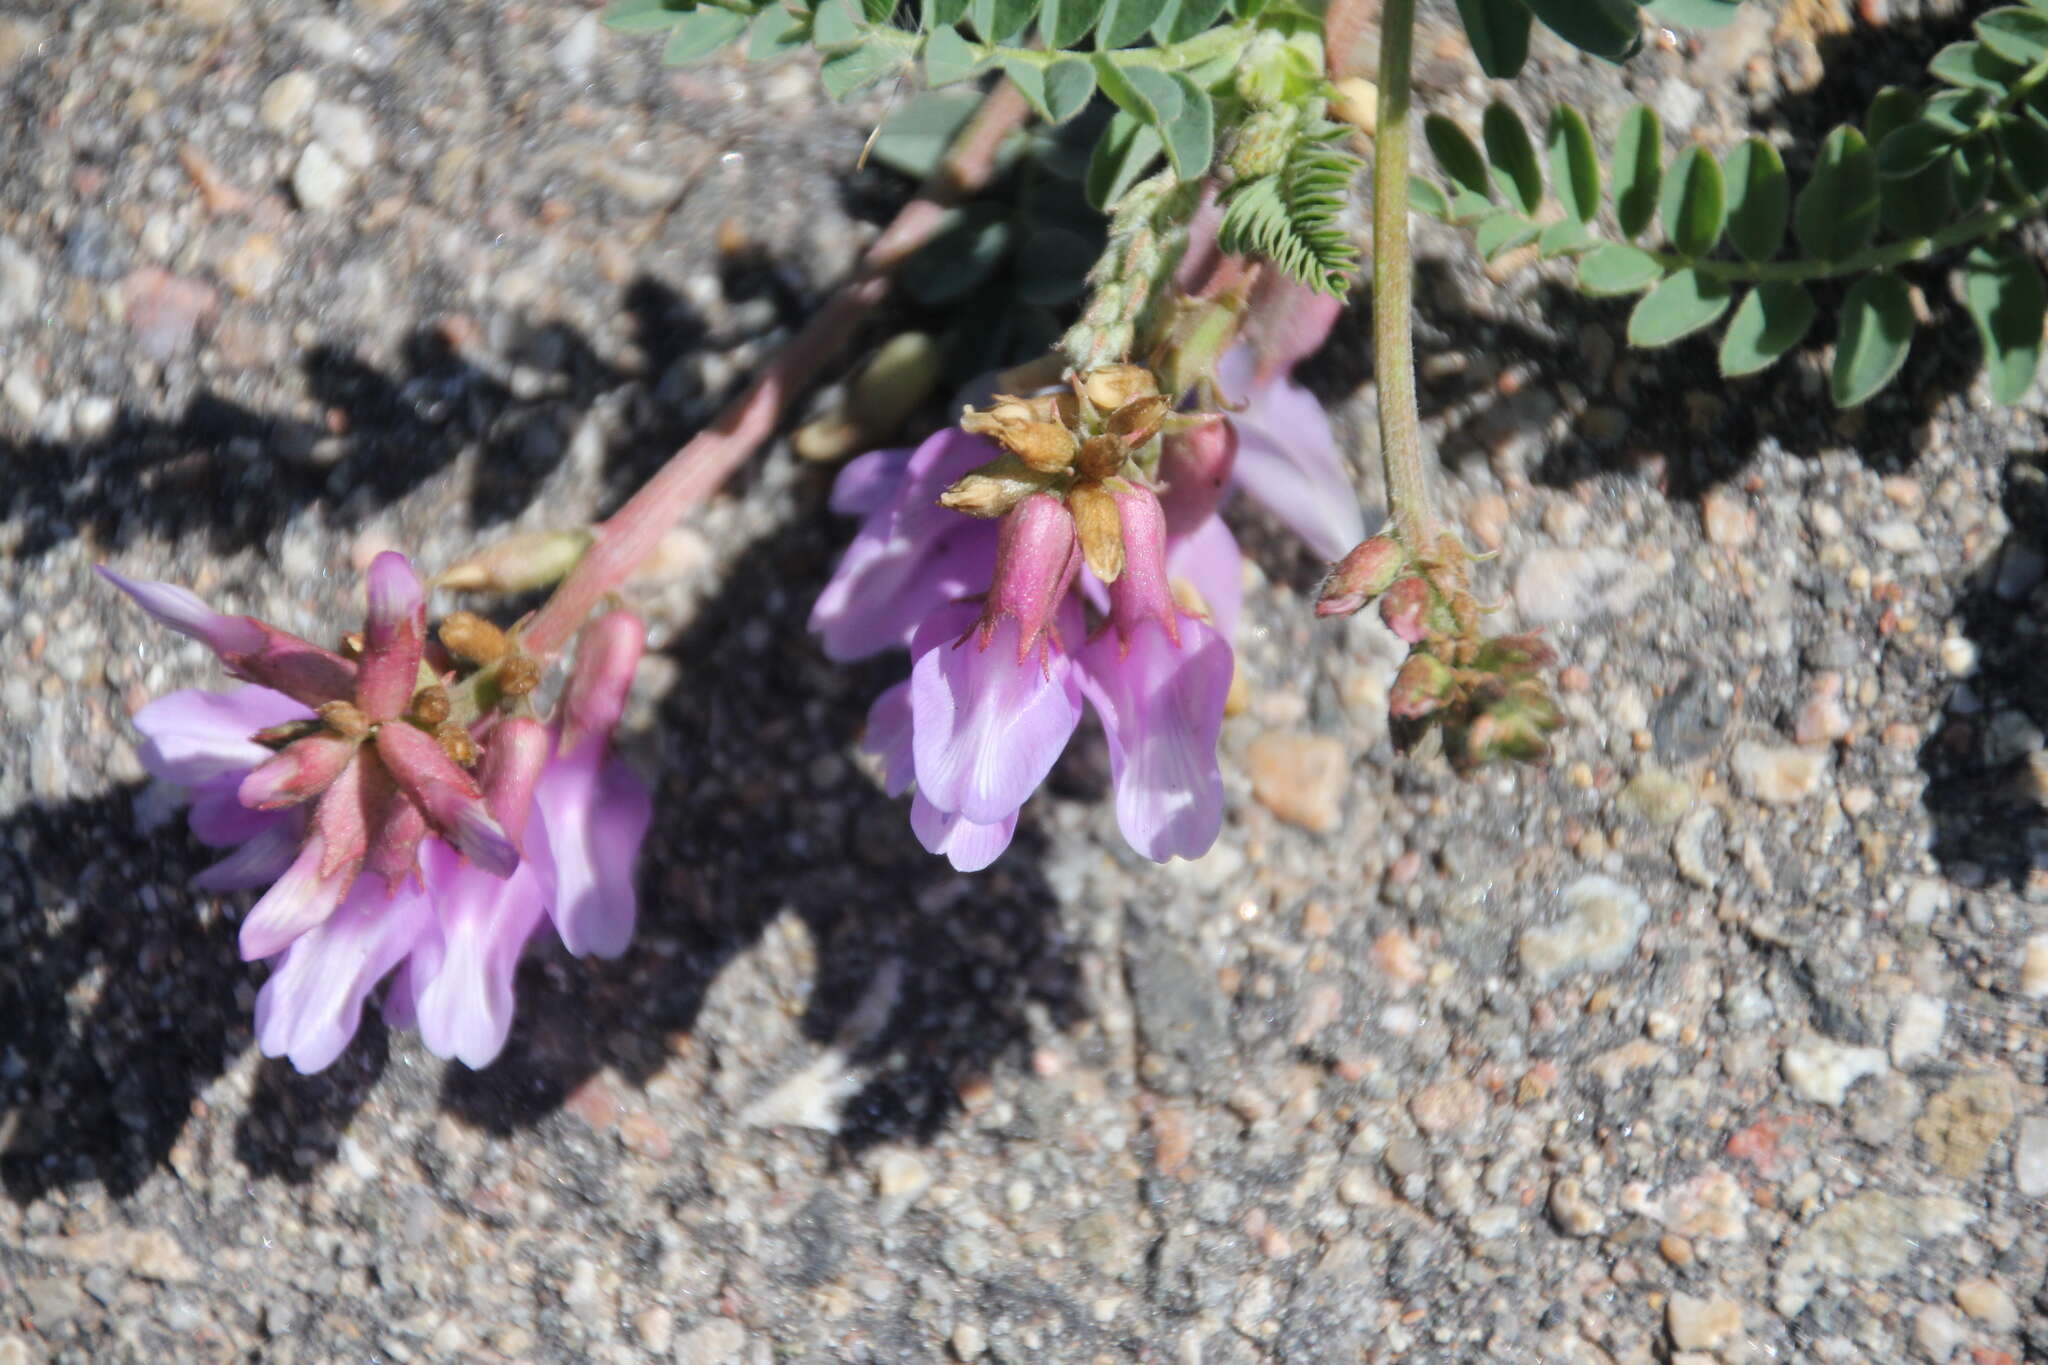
(1512, 156)
(1682, 304)
(1768, 323)
(1499, 33)
(2003, 295)
(1574, 164)
(1836, 213)
(1638, 169)
(702, 33)
(1694, 203)
(1759, 199)
(643, 16)
(1875, 334)
(1612, 268)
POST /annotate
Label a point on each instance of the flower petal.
(970, 847)
(885, 585)
(1208, 560)
(870, 482)
(192, 736)
(394, 636)
(181, 610)
(259, 860)
(447, 796)
(888, 738)
(299, 900)
(594, 812)
(1162, 708)
(986, 726)
(1288, 459)
(310, 1007)
(464, 1008)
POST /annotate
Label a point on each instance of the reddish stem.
(698, 470)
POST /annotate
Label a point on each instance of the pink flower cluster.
(326, 779)
(995, 616)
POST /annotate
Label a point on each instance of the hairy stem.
(1393, 273)
(697, 471)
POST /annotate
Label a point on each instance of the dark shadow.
(758, 815)
(119, 995)
(229, 476)
(1990, 806)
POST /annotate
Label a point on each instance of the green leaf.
(1191, 135)
(857, 68)
(703, 32)
(1891, 109)
(1974, 66)
(948, 57)
(1425, 198)
(2018, 35)
(1143, 92)
(1069, 85)
(837, 24)
(998, 21)
(1683, 304)
(1696, 13)
(1499, 33)
(1971, 166)
(1052, 266)
(1504, 232)
(1958, 111)
(1876, 331)
(944, 13)
(1768, 323)
(1125, 152)
(914, 137)
(1695, 202)
(1836, 213)
(1605, 28)
(965, 250)
(1123, 22)
(2025, 145)
(1064, 23)
(1919, 204)
(1759, 199)
(1912, 149)
(775, 32)
(1566, 237)
(1467, 207)
(1616, 269)
(1574, 164)
(1458, 155)
(1185, 19)
(644, 16)
(1638, 169)
(1515, 167)
(878, 11)
(1248, 9)
(2003, 295)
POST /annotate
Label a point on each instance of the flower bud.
(1369, 570)
(1101, 457)
(606, 654)
(1195, 467)
(457, 743)
(993, 489)
(1422, 687)
(1112, 386)
(1047, 447)
(1035, 564)
(1403, 607)
(300, 772)
(513, 758)
(1099, 529)
(430, 705)
(522, 563)
(345, 718)
(1142, 592)
(518, 674)
(473, 639)
(394, 636)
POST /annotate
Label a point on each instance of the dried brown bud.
(1099, 528)
(537, 559)
(1137, 421)
(430, 705)
(469, 636)
(1101, 456)
(994, 488)
(455, 742)
(1047, 447)
(1112, 386)
(518, 674)
(344, 719)
(278, 736)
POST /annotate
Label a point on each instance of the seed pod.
(518, 675)
(1101, 457)
(472, 638)
(993, 489)
(456, 742)
(1112, 386)
(430, 705)
(344, 719)
(1137, 421)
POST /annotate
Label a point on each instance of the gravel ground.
(1718, 1040)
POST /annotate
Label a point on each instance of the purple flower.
(1287, 457)
(381, 852)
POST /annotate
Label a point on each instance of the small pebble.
(319, 181)
(1984, 1300)
(1822, 1071)
(1300, 777)
(1701, 1324)
(286, 100)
